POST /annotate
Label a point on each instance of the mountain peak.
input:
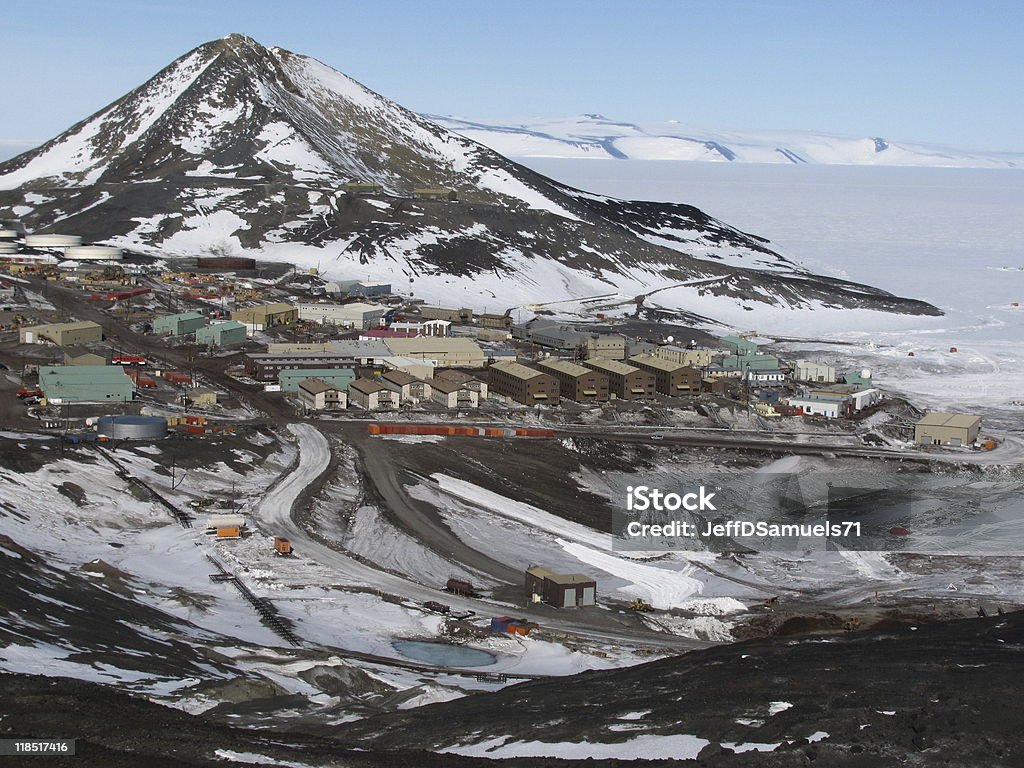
(241, 148)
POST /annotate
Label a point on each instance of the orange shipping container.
(229, 532)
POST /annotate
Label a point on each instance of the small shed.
(562, 590)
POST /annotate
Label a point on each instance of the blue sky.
(914, 70)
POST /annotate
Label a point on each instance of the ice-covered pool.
(443, 654)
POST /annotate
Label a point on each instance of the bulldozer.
(641, 606)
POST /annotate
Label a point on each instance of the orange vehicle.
(282, 545)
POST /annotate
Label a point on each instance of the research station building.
(577, 382)
(952, 429)
(223, 334)
(524, 385)
(626, 382)
(670, 378)
(62, 334)
(562, 590)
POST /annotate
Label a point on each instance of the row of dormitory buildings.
(387, 391)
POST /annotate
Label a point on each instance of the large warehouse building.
(223, 334)
(524, 385)
(266, 367)
(264, 316)
(577, 382)
(62, 334)
(953, 429)
(85, 384)
(445, 351)
(180, 324)
(337, 378)
(356, 315)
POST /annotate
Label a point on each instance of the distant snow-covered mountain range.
(596, 136)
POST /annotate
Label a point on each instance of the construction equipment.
(641, 606)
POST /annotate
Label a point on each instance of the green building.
(739, 346)
(180, 324)
(750, 362)
(221, 334)
(339, 378)
(857, 378)
(85, 384)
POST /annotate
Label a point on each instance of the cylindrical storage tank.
(132, 427)
(225, 521)
(8, 247)
(8, 234)
(53, 241)
(94, 253)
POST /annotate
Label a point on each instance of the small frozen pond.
(443, 654)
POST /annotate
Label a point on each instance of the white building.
(830, 406)
(371, 395)
(425, 327)
(318, 395)
(809, 370)
(355, 315)
(408, 388)
(769, 377)
(451, 394)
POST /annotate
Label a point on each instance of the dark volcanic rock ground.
(951, 688)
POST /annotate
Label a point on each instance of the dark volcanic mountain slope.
(937, 694)
(237, 147)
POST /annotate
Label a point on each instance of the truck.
(458, 586)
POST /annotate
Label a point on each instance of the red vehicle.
(23, 393)
(132, 360)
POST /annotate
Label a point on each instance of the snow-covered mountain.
(237, 148)
(596, 136)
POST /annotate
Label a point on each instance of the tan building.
(371, 395)
(953, 429)
(264, 316)
(524, 385)
(492, 334)
(285, 348)
(407, 387)
(421, 369)
(670, 378)
(464, 379)
(202, 397)
(446, 352)
(77, 356)
(626, 382)
(699, 357)
(577, 382)
(62, 334)
(462, 315)
(503, 322)
(318, 395)
(607, 345)
(453, 394)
